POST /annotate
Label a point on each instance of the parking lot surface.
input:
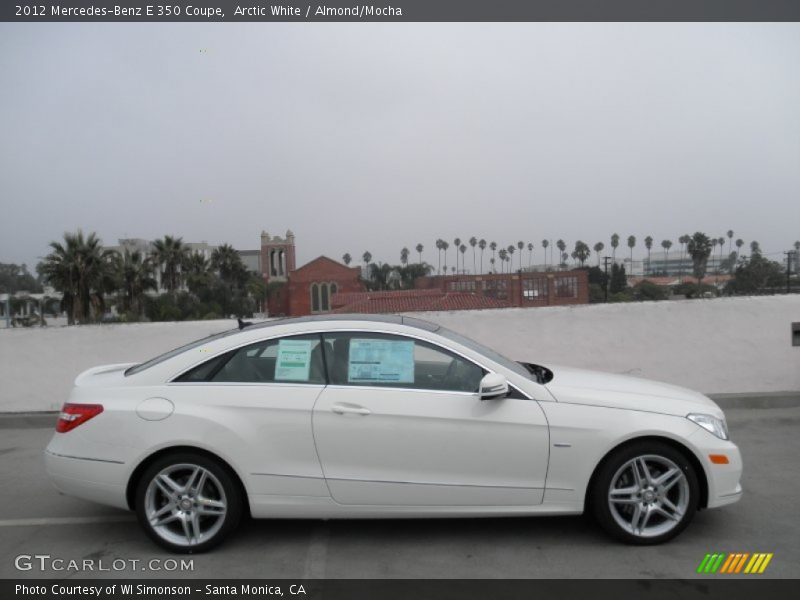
(36, 520)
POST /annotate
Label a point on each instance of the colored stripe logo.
(735, 562)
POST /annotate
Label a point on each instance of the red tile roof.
(412, 300)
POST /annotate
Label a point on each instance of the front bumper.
(724, 485)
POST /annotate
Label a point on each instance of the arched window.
(325, 301)
(314, 297)
(334, 289)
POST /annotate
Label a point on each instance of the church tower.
(277, 261)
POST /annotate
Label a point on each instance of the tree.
(730, 241)
(227, 262)
(545, 244)
(755, 247)
(530, 254)
(511, 251)
(520, 247)
(666, 245)
(598, 247)
(564, 257)
(614, 246)
(367, 257)
(699, 248)
(491, 262)
(756, 275)
(456, 244)
(82, 271)
(169, 254)
(135, 272)
(404, 256)
(419, 250)
(482, 246)
(739, 244)
(684, 240)
(16, 278)
(631, 245)
(582, 251)
(647, 290)
(493, 248)
(445, 246)
(439, 243)
(561, 248)
(462, 248)
(503, 253)
(347, 259)
(473, 241)
(648, 243)
(619, 281)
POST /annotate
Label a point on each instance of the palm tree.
(404, 256)
(462, 248)
(491, 262)
(482, 246)
(582, 251)
(367, 258)
(699, 248)
(648, 243)
(755, 247)
(82, 271)
(456, 244)
(445, 246)
(511, 251)
(631, 245)
(684, 241)
(520, 247)
(739, 244)
(530, 254)
(598, 247)
(347, 259)
(473, 241)
(721, 242)
(564, 257)
(439, 243)
(614, 246)
(493, 248)
(730, 241)
(170, 254)
(561, 247)
(419, 250)
(228, 264)
(502, 254)
(136, 279)
(666, 245)
(545, 244)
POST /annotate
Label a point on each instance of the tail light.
(73, 415)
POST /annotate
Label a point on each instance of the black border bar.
(399, 10)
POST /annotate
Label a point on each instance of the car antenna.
(243, 324)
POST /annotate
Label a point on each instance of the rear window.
(167, 355)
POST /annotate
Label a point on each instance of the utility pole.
(605, 261)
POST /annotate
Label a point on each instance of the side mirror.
(493, 386)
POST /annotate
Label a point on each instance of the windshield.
(167, 355)
(486, 351)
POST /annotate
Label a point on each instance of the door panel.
(425, 447)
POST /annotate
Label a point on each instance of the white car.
(355, 417)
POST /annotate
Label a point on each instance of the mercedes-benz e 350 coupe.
(351, 416)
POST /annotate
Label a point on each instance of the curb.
(47, 419)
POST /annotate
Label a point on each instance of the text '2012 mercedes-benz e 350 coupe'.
(364, 416)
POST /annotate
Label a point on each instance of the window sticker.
(381, 361)
(294, 360)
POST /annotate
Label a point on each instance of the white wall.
(715, 346)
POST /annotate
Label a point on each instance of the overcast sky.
(375, 136)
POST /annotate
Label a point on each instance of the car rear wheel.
(646, 493)
(188, 502)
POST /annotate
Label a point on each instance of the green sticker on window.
(381, 361)
(294, 360)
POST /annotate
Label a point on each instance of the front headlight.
(711, 424)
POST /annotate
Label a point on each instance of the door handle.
(344, 409)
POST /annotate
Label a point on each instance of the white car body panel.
(416, 454)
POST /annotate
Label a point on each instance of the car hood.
(579, 386)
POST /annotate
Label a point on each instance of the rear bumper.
(91, 479)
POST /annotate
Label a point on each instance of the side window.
(394, 361)
(286, 360)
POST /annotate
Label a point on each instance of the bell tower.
(277, 256)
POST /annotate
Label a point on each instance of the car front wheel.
(645, 493)
(187, 502)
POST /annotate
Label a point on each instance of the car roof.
(394, 319)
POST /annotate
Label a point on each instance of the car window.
(365, 359)
(297, 359)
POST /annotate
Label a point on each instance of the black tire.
(609, 518)
(217, 477)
